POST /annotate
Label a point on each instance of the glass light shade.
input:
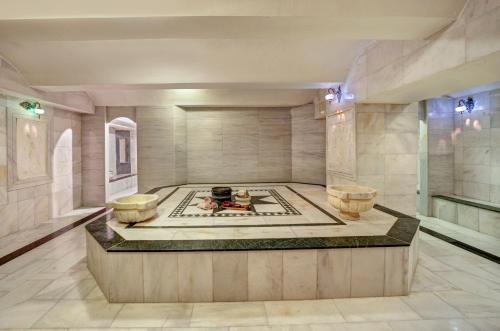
(39, 111)
(329, 97)
(460, 109)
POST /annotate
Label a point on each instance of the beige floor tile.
(96, 294)
(25, 314)
(471, 305)
(25, 291)
(271, 328)
(486, 324)
(153, 315)
(429, 306)
(426, 281)
(302, 312)
(432, 263)
(78, 313)
(364, 326)
(195, 329)
(375, 309)
(432, 325)
(228, 314)
(470, 283)
(81, 290)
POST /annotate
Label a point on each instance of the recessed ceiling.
(117, 47)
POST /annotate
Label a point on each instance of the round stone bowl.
(134, 208)
(351, 200)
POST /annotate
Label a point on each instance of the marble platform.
(291, 245)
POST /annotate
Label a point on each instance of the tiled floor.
(473, 238)
(12, 242)
(51, 288)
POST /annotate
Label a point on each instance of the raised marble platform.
(291, 245)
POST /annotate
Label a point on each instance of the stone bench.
(477, 215)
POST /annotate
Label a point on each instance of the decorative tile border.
(188, 199)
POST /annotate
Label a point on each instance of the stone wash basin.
(351, 200)
(134, 208)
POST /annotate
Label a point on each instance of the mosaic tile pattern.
(264, 202)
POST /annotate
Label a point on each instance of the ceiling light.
(465, 104)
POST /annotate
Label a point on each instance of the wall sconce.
(33, 107)
(465, 104)
(337, 93)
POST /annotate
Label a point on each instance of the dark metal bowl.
(221, 193)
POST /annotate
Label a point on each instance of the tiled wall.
(66, 163)
(25, 208)
(387, 146)
(93, 158)
(180, 140)
(386, 153)
(440, 146)
(155, 147)
(477, 149)
(308, 146)
(238, 145)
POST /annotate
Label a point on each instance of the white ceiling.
(133, 50)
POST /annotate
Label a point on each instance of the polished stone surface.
(318, 226)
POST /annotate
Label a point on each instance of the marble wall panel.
(195, 277)
(93, 164)
(247, 144)
(28, 207)
(265, 277)
(368, 270)
(489, 223)
(386, 144)
(230, 280)
(127, 287)
(445, 210)
(468, 216)
(396, 280)
(308, 146)
(334, 273)
(160, 277)
(160, 141)
(477, 152)
(299, 274)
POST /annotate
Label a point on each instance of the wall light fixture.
(33, 107)
(337, 94)
(334, 93)
(465, 104)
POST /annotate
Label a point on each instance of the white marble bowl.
(351, 200)
(134, 208)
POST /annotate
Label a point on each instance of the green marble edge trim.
(400, 234)
(468, 203)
